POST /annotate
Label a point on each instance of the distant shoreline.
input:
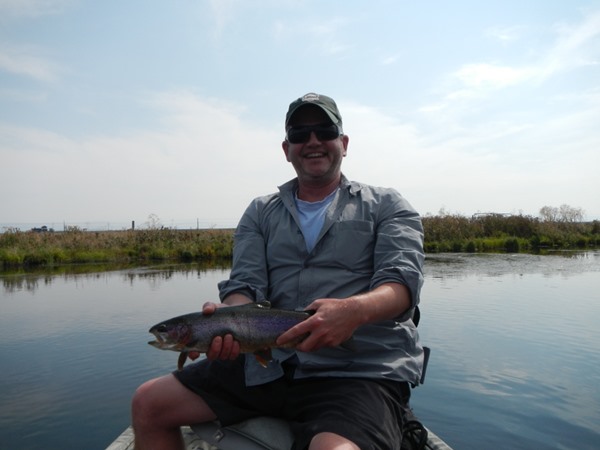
(44, 247)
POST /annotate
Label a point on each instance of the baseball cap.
(327, 104)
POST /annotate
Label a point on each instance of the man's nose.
(313, 139)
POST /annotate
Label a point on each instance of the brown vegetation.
(557, 229)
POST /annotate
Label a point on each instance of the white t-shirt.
(312, 217)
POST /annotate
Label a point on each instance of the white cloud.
(506, 164)
(25, 60)
(491, 76)
(508, 34)
(202, 162)
(391, 59)
(32, 8)
(576, 46)
(22, 95)
(223, 13)
(323, 36)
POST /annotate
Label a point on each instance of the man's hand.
(333, 322)
(222, 347)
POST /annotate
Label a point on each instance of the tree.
(570, 214)
(564, 213)
(153, 222)
(549, 213)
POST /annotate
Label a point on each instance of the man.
(351, 253)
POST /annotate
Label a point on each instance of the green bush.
(511, 245)
(512, 233)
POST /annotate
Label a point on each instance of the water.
(515, 350)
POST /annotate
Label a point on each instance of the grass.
(443, 233)
(27, 249)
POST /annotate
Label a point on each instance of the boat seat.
(260, 433)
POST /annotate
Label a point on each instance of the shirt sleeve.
(249, 267)
(398, 254)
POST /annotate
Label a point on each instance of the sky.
(172, 112)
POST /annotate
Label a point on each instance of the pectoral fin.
(181, 360)
(263, 356)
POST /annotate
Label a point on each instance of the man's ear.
(285, 146)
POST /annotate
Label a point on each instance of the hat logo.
(311, 97)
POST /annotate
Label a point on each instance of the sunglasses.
(301, 134)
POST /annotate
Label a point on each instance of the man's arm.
(335, 320)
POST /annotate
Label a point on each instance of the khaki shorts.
(365, 411)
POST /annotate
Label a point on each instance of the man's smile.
(315, 155)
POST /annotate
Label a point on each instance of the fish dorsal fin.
(265, 304)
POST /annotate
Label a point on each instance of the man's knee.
(139, 402)
(331, 441)
(146, 404)
(164, 402)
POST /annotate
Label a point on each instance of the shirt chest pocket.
(354, 241)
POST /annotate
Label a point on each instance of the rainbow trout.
(255, 326)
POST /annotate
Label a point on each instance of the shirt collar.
(352, 186)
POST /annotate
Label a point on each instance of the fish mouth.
(157, 334)
(163, 343)
(160, 341)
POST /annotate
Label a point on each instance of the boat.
(262, 433)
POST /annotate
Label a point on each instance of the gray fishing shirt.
(370, 236)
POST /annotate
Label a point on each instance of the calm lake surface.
(515, 350)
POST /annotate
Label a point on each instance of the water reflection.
(566, 263)
(25, 280)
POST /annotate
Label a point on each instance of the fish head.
(171, 335)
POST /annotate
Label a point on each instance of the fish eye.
(162, 328)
